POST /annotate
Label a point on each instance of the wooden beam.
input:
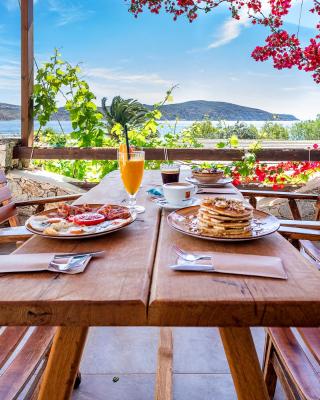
(103, 153)
(27, 74)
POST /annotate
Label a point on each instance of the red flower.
(315, 146)
(283, 48)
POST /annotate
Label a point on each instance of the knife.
(85, 253)
(193, 267)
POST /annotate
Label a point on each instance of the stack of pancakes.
(221, 217)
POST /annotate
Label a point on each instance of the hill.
(188, 111)
(9, 112)
(217, 110)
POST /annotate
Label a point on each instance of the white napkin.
(34, 263)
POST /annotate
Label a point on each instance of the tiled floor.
(201, 371)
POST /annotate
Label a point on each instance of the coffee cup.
(177, 193)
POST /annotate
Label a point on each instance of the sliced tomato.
(89, 218)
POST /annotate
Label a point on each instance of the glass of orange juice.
(131, 170)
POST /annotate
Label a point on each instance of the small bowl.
(209, 177)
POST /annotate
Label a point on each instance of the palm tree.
(126, 112)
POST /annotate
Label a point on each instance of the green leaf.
(234, 141)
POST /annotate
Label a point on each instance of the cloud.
(119, 75)
(147, 87)
(68, 13)
(229, 31)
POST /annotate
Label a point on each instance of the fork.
(74, 262)
(190, 256)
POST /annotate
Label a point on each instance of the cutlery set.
(72, 262)
(189, 260)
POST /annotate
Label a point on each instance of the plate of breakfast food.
(221, 219)
(80, 221)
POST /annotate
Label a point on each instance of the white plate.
(185, 221)
(162, 203)
(221, 182)
(106, 228)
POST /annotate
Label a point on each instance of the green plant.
(306, 130)
(59, 77)
(271, 130)
(124, 112)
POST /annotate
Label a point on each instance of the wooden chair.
(293, 355)
(302, 234)
(9, 207)
(23, 350)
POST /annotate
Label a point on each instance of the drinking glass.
(131, 170)
(170, 173)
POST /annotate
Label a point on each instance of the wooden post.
(63, 363)
(244, 364)
(27, 75)
(164, 382)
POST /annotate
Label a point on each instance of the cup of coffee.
(177, 193)
(170, 173)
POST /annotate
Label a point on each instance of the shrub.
(306, 130)
(272, 130)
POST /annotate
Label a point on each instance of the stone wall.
(27, 185)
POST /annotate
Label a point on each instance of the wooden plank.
(63, 363)
(244, 364)
(294, 209)
(16, 376)
(9, 340)
(7, 211)
(280, 195)
(285, 383)
(27, 73)
(269, 374)
(311, 249)
(208, 299)
(113, 290)
(311, 337)
(299, 233)
(47, 200)
(301, 224)
(23, 152)
(164, 377)
(295, 362)
(14, 234)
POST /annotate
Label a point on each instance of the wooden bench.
(23, 350)
(302, 234)
(293, 355)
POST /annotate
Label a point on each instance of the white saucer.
(220, 183)
(167, 206)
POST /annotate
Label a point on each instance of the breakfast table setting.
(181, 253)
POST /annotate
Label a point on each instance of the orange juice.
(131, 173)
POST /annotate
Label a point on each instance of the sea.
(12, 128)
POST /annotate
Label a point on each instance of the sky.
(142, 57)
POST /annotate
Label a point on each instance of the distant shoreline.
(12, 127)
(194, 110)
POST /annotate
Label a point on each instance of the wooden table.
(132, 286)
